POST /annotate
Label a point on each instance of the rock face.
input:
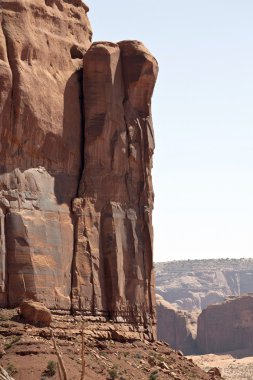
(226, 326)
(76, 144)
(113, 261)
(195, 284)
(174, 327)
(40, 145)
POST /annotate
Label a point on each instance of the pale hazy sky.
(203, 119)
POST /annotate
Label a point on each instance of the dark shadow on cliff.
(70, 149)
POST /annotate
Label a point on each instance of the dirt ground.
(235, 365)
(26, 351)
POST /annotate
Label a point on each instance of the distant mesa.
(176, 327)
(194, 284)
(222, 288)
(227, 326)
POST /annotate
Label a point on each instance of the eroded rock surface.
(195, 284)
(76, 195)
(226, 326)
(175, 327)
(113, 261)
(40, 146)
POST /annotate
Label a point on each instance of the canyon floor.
(26, 351)
(235, 365)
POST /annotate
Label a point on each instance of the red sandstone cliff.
(175, 327)
(40, 146)
(114, 270)
(76, 145)
(226, 326)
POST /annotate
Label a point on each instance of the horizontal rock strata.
(226, 326)
(175, 327)
(195, 284)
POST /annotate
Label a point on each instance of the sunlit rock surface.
(76, 145)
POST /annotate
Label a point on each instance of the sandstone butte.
(221, 327)
(76, 145)
(226, 326)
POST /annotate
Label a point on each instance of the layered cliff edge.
(194, 284)
(226, 326)
(220, 328)
(219, 287)
(76, 145)
(176, 327)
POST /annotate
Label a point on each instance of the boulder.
(214, 371)
(35, 313)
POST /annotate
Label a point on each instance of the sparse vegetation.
(51, 369)
(13, 341)
(113, 373)
(138, 355)
(159, 357)
(153, 375)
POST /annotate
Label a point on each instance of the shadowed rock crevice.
(76, 52)
(6, 96)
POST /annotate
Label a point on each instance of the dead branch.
(63, 372)
(82, 355)
(4, 375)
(59, 371)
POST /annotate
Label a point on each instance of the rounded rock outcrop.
(35, 313)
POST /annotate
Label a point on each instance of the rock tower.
(76, 145)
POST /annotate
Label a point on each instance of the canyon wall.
(194, 284)
(222, 327)
(226, 326)
(222, 288)
(175, 327)
(76, 145)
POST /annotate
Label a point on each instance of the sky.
(203, 119)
